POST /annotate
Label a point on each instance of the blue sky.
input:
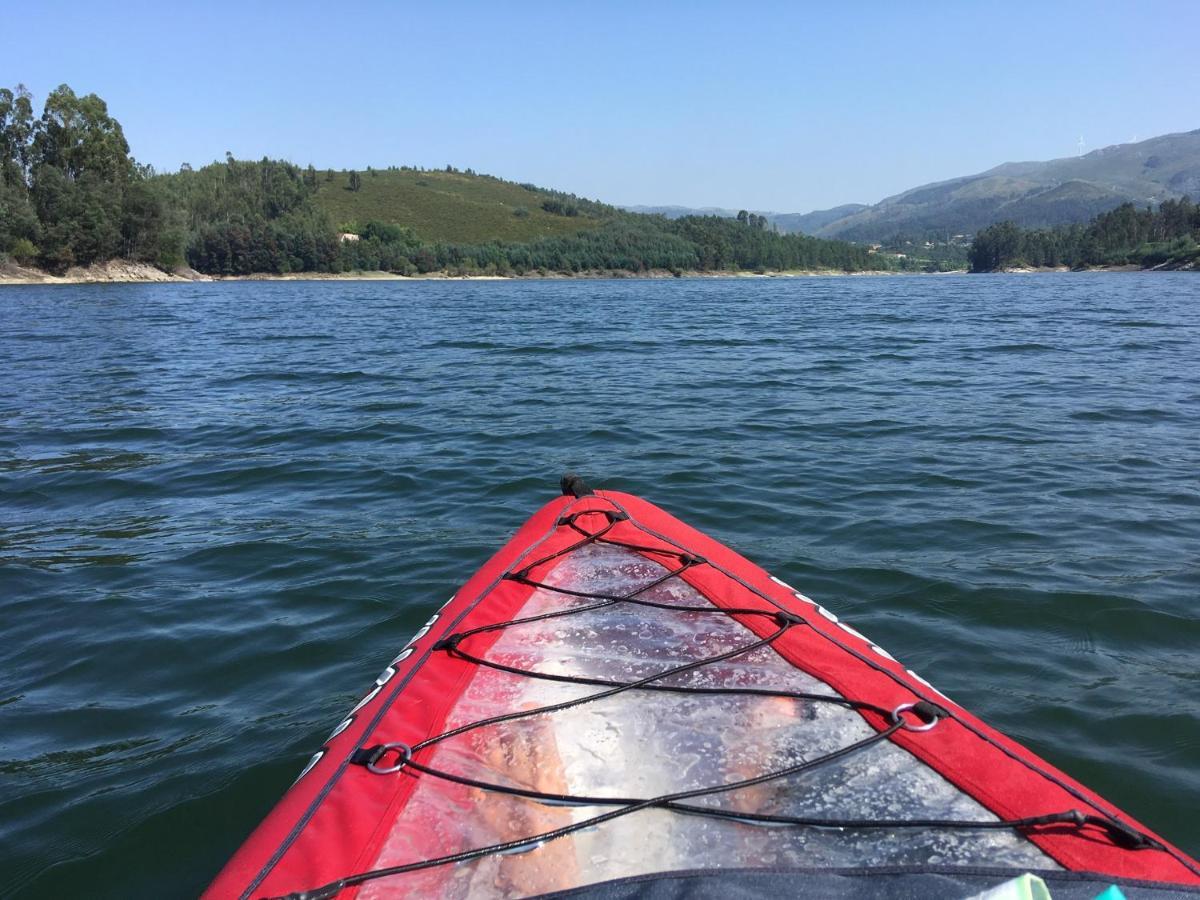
(781, 106)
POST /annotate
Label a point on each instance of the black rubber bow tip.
(574, 486)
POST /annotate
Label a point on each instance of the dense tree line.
(747, 244)
(637, 243)
(625, 243)
(71, 194)
(1127, 235)
(245, 217)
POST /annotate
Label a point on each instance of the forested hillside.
(72, 195)
(1168, 236)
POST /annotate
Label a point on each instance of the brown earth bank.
(115, 271)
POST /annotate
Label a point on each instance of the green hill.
(71, 195)
(454, 206)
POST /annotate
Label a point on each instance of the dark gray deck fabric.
(856, 884)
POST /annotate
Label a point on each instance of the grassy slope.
(444, 206)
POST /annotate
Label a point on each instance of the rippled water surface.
(224, 507)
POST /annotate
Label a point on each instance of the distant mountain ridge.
(1030, 194)
(678, 212)
(1036, 194)
(812, 222)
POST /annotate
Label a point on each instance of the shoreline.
(136, 273)
(1126, 267)
(121, 272)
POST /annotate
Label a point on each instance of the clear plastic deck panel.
(646, 744)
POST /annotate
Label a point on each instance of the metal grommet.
(403, 751)
(897, 718)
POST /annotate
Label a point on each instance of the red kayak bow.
(616, 698)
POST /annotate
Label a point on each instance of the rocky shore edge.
(125, 272)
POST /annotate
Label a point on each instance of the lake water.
(224, 507)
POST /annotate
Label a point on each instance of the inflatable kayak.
(616, 705)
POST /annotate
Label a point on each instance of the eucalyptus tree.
(18, 220)
(80, 168)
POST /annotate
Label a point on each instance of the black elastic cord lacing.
(892, 720)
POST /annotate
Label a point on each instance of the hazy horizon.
(788, 109)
